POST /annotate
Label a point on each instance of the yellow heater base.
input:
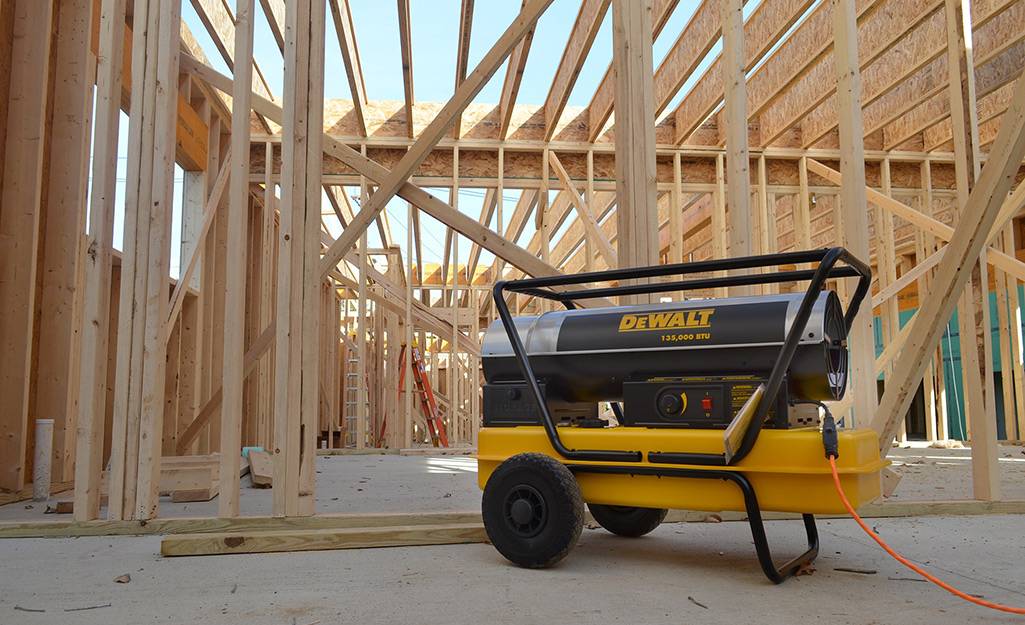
(786, 468)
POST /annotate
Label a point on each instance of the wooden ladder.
(423, 390)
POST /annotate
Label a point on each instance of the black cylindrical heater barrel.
(586, 355)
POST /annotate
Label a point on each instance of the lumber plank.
(318, 540)
(261, 468)
(196, 494)
(334, 522)
(185, 478)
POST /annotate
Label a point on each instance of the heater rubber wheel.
(533, 510)
(627, 521)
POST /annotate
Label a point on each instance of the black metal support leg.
(754, 515)
(775, 574)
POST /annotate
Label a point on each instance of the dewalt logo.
(666, 321)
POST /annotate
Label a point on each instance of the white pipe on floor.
(41, 464)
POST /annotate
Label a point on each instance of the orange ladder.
(423, 390)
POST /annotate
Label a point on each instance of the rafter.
(600, 107)
(920, 47)
(463, 53)
(220, 25)
(915, 69)
(991, 106)
(877, 33)
(585, 29)
(998, 63)
(274, 11)
(762, 30)
(350, 56)
(513, 77)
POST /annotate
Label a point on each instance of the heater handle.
(827, 260)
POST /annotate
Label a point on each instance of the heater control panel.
(696, 402)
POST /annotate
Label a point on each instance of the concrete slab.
(661, 578)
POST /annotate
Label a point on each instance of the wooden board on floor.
(206, 492)
(261, 468)
(316, 540)
(185, 478)
(438, 451)
(196, 494)
(243, 524)
(26, 493)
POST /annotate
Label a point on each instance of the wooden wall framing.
(279, 334)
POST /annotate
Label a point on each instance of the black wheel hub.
(525, 511)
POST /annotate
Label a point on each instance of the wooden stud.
(295, 361)
(852, 195)
(98, 260)
(19, 229)
(62, 222)
(166, 34)
(738, 177)
(235, 284)
(719, 216)
(635, 136)
(1014, 319)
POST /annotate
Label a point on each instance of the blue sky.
(435, 29)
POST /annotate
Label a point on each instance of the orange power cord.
(875, 537)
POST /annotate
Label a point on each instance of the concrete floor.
(660, 578)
